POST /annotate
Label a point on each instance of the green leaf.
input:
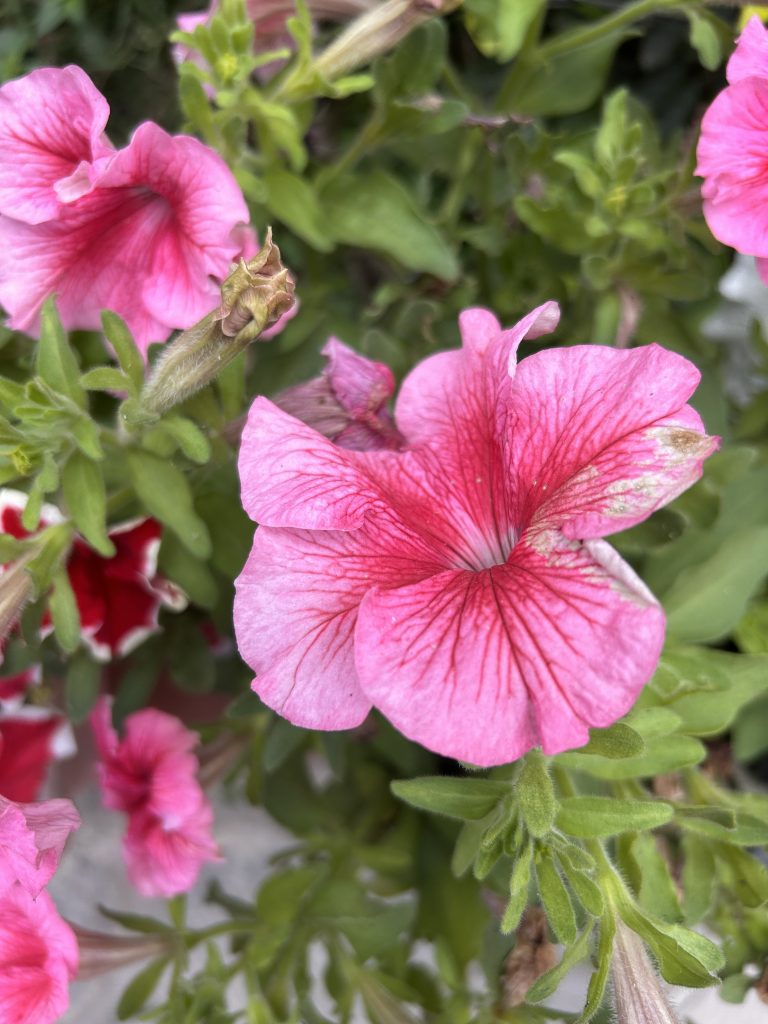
(81, 687)
(138, 991)
(684, 957)
(597, 816)
(564, 84)
(547, 983)
(189, 437)
(376, 212)
(536, 795)
(518, 890)
(413, 69)
(456, 798)
(188, 572)
(657, 892)
(56, 362)
(283, 739)
(498, 27)
(705, 39)
(82, 484)
(582, 886)
(616, 742)
(120, 338)
(599, 979)
(293, 201)
(698, 878)
(64, 613)
(751, 634)
(662, 754)
(710, 598)
(556, 901)
(166, 494)
(106, 378)
(709, 713)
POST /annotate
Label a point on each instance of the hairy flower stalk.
(637, 992)
(376, 32)
(100, 953)
(254, 296)
(16, 590)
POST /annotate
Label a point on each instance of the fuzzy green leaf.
(82, 484)
(56, 362)
(166, 495)
(597, 816)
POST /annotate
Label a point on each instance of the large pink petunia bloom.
(733, 150)
(461, 586)
(348, 402)
(146, 231)
(38, 959)
(32, 840)
(151, 775)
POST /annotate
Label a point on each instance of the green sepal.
(599, 980)
(535, 795)
(555, 900)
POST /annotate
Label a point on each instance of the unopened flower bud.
(376, 32)
(100, 953)
(16, 589)
(254, 296)
(348, 402)
(637, 992)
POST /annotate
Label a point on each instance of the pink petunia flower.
(461, 586)
(151, 775)
(146, 231)
(118, 598)
(38, 959)
(733, 152)
(348, 402)
(32, 840)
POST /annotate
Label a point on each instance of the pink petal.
(38, 958)
(599, 438)
(292, 476)
(733, 159)
(163, 861)
(18, 851)
(51, 131)
(750, 58)
(482, 666)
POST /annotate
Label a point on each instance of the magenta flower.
(461, 586)
(348, 402)
(38, 959)
(145, 231)
(32, 840)
(732, 152)
(151, 775)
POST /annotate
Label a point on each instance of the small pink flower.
(460, 585)
(118, 598)
(38, 959)
(145, 231)
(733, 152)
(348, 403)
(151, 775)
(32, 840)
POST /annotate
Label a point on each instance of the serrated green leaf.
(598, 816)
(140, 989)
(547, 983)
(64, 613)
(120, 338)
(453, 797)
(85, 498)
(56, 362)
(536, 795)
(165, 492)
(556, 901)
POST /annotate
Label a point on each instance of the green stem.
(576, 38)
(605, 868)
(360, 146)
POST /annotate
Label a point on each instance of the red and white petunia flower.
(32, 840)
(348, 402)
(151, 775)
(146, 231)
(732, 152)
(38, 958)
(118, 598)
(31, 738)
(461, 585)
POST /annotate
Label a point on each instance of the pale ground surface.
(92, 872)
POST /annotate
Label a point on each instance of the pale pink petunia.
(461, 586)
(38, 959)
(32, 839)
(348, 402)
(148, 235)
(733, 150)
(151, 775)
